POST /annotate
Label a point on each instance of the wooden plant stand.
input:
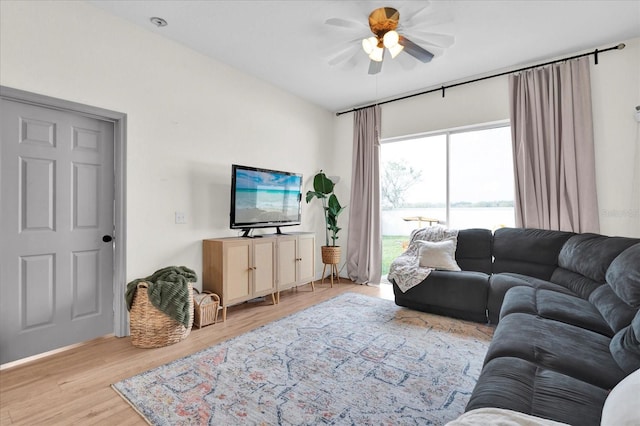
(334, 272)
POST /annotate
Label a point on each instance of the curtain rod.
(443, 88)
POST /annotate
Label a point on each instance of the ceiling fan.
(390, 35)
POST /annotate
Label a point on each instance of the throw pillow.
(438, 255)
(621, 406)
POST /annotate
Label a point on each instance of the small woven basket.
(330, 255)
(205, 309)
(152, 328)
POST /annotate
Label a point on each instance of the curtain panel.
(553, 149)
(364, 244)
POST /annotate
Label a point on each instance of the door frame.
(119, 120)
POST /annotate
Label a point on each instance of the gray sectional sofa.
(567, 312)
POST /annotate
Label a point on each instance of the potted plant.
(323, 190)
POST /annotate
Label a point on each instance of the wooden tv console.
(239, 268)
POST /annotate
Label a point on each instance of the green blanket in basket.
(168, 290)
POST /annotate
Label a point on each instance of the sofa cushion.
(527, 251)
(625, 346)
(623, 275)
(473, 251)
(591, 254)
(555, 306)
(499, 284)
(617, 313)
(523, 386)
(561, 347)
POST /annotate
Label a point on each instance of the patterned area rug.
(353, 359)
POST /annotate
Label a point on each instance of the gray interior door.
(56, 207)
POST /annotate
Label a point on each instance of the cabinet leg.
(224, 313)
(273, 297)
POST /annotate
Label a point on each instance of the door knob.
(107, 238)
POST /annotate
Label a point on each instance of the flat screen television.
(264, 198)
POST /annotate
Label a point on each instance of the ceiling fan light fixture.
(390, 39)
(395, 50)
(377, 54)
(368, 44)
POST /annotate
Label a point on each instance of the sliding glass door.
(460, 178)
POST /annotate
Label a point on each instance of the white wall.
(189, 119)
(615, 83)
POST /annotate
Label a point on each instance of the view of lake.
(461, 218)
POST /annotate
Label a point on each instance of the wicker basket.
(330, 255)
(152, 328)
(205, 308)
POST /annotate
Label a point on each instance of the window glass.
(481, 187)
(413, 181)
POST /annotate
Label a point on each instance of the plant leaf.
(334, 206)
(322, 184)
(312, 194)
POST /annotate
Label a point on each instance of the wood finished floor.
(73, 387)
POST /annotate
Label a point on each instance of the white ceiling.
(288, 44)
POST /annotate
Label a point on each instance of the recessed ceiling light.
(158, 22)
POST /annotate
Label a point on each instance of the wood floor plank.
(74, 386)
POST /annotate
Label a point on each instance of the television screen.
(264, 198)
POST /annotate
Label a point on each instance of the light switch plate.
(181, 218)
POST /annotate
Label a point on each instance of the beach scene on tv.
(267, 197)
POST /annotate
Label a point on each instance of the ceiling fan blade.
(406, 62)
(414, 50)
(345, 23)
(344, 55)
(435, 18)
(375, 67)
(435, 39)
(413, 17)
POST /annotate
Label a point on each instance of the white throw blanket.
(405, 270)
(500, 417)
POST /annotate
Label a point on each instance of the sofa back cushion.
(527, 251)
(584, 260)
(591, 254)
(623, 275)
(473, 251)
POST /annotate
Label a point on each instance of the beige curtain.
(553, 153)
(364, 244)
